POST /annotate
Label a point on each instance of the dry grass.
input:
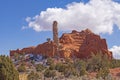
(23, 76)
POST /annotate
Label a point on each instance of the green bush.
(103, 72)
(50, 61)
(97, 62)
(60, 67)
(52, 67)
(67, 69)
(39, 67)
(7, 69)
(70, 71)
(33, 76)
(115, 63)
(80, 66)
(49, 73)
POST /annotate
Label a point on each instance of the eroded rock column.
(55, 36)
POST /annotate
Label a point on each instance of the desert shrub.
(49, 73)
(80, 66)
(115, 63)
(100, 64)
(52, 67)
(70, 70)
(39, 67)
(60, 67)
(103, 72)
(67, 69)
(49, 61)
(97, 62)
(48, 40)
(33, 76)
(7, 69)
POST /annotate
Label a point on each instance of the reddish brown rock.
(47, 49)
(75, 44)
(27, 50)
(82, 44)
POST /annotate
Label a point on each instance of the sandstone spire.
(55, 35)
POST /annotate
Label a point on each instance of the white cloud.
(97, 15)
(28, 19)
(116, 52)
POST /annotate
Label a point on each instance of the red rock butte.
(71, 45)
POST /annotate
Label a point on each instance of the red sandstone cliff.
(75, 44)
(82, 44)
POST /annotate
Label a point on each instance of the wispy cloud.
(24, 27)
(97, 15)
(116, 51)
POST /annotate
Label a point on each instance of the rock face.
(46, 49)
(75, 44)
(83, 44)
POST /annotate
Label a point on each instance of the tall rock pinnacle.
(55, 35)
(55, 32)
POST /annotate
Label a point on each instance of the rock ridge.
(71, 45)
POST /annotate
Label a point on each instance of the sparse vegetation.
(80, 66)
(52, 66)
(60, 67)
(50, 61)
(22, 68)
(99, 63)
(114, 63)
(70, 69)
(39, 67)
(33, 76)
(7, 69)
(49, 73)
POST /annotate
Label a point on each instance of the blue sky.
(18, 20)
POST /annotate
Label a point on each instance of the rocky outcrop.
(47, 49)
(74, 44)
(83, 44)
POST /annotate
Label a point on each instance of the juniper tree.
(7, 69)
